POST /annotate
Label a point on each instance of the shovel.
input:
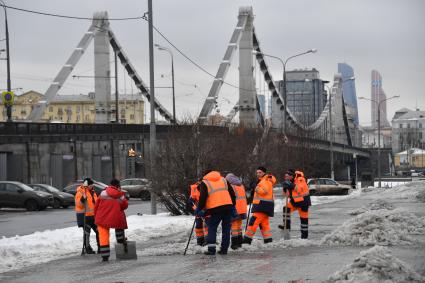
(286, 235)
(126, 250)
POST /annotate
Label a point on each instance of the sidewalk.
(161, 259)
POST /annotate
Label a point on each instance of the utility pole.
(116, 90)
(9, 83)
(152, 136)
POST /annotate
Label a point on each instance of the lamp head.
(314, 50)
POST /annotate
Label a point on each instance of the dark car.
(325, 186)
(59, 198)
(98, 188)
(138, 188)
(15, 194)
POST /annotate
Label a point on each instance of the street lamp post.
(284, 78)
(162, 48)
(379, 131)
(9, 83)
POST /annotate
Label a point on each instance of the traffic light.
(8, 97)
(131, 152)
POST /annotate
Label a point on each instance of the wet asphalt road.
(21, 222)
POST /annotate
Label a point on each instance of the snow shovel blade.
(126, 251)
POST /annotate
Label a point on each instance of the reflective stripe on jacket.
(301, 190)
(88, 205)
(263, 200)
(240, 199)
(218, 192)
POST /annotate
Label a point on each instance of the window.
(330, 182)
(51, 109)
(408, 125)
(78, 109)
(131, 116)
(420, 125)
(400, 126)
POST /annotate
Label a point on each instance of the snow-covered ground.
(377, 222)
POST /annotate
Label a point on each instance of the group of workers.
(222, 199)
(215, 199)
(101, 213)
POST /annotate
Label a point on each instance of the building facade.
(378, 95)
(75, 108)
(408, 130)
(305, 93)
(349, 91)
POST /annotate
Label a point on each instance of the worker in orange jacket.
(295, 187)
(262, 207)
(201, 228)
(85, 200)
(240, 210)
(216, 199)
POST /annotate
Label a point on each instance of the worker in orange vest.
(85, 200)
(240, 208)
(295, 187)
(216, 200)
(201, 228)
(262, 207)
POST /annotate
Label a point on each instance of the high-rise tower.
(378, 95)
(349, 90)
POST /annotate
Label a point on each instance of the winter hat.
(234, 180)
(290, 172)
(87, 182)
(115, 183)
(262, 169)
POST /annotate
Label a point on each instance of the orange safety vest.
(240, 198)
(195, 194)
(218, 192)
(301, 189)
(88, 205)
(263, 200)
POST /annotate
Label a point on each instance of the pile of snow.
(376, 265)
(421, 196)
(373, 227)
(375, 205)
(20, 251)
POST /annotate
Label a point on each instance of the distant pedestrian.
(216, 200)
(240, 208)
(262, 207)
(85, 199)
(109, 213)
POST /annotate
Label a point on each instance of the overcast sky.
(386, 35)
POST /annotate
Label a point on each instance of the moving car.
(324, 186)
(137, 187)
(16, 194)
(98, 188)
(59, 198)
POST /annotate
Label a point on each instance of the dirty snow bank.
(376, 265)
(421, 196)
(377, 227)
(376, 205)
(20, 251)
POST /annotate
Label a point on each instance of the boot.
(89, 250)
(105, 258)
(235, 243)
(201, 242)
(281, 227)
(269, 240)
(222, 252)
(210, 252)
(246, 240)
(240, 239)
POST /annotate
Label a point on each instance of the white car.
(325, 186)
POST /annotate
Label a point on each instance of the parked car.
(137, 187)
(59, 198)
(16, 194)
(98, 188)
(324, 186)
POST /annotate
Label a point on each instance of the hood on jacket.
(114, 192)
(233, 179)
(213, 176)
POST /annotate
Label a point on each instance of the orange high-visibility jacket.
(90, 197)
(263, 200)
(240, 198)
(218, 192)
(301, 189)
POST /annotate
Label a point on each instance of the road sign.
(8, 97)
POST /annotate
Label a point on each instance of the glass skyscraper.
(378, 95)
(349, 90)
